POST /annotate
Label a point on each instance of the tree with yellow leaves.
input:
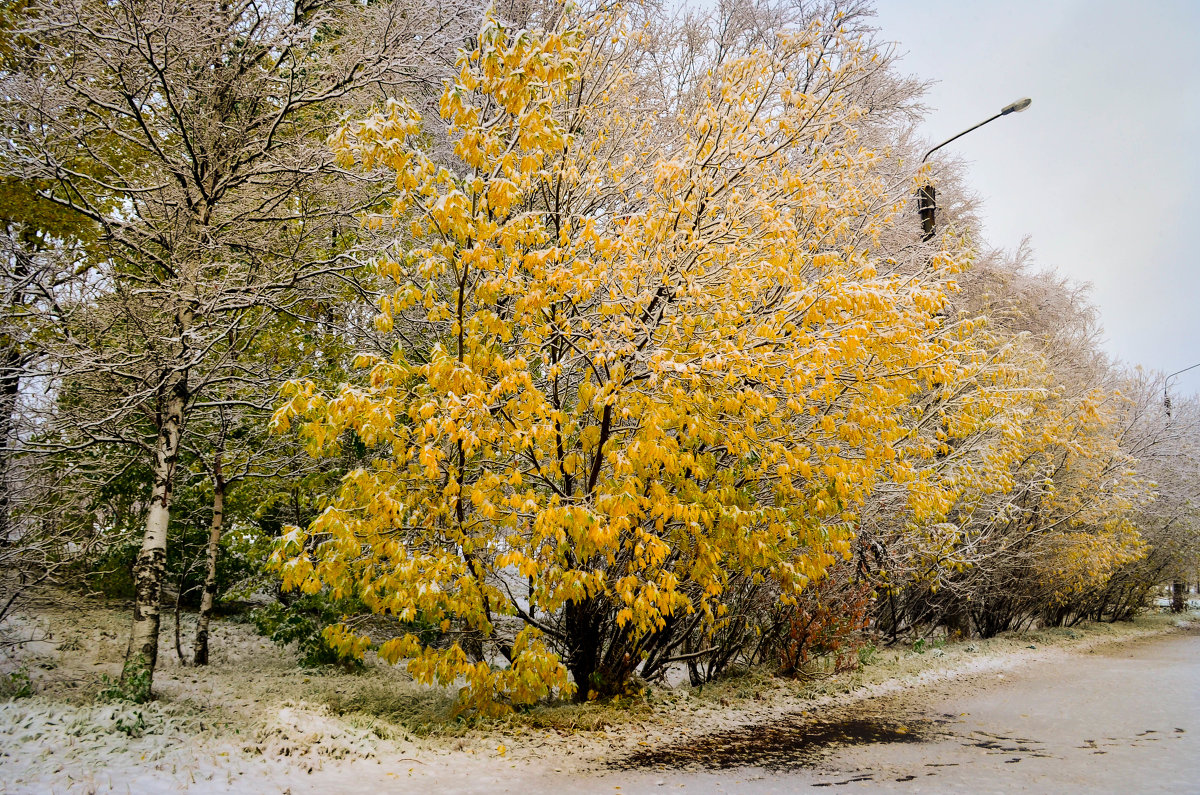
(645, 349)
(1036, 499)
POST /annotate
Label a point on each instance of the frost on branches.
(647, 347)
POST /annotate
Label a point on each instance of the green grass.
(399, 704)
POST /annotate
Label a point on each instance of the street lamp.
(1178, 587)
(1167, 386)
(926, 196)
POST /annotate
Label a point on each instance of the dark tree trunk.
(958, 619)
(1178, 596)
(12, 366)
(11, 363)
(208, 599)
(602, 656)
(178, 610)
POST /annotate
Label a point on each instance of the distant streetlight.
(1167, 386)
(926, 196)
(1178, 588)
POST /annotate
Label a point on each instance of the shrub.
(303, 622)
(16, 684)
(828, 622)
(134, 684)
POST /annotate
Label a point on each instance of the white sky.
(1103, 170)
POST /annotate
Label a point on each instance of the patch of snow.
(311, 734)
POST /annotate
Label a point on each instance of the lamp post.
(926, 195)
(1167, 385)
(1178, 587)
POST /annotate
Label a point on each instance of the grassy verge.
(746, 696)
(250, 679)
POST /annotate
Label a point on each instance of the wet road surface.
(1124, 718)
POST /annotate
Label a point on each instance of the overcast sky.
(1102, 172)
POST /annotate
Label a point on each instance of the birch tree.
(192, 135)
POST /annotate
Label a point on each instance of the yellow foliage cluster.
(1037, 505)
(642, 356)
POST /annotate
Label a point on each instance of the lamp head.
(1016, 107)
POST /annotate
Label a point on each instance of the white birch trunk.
(152, 560)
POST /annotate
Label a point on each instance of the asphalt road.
(1122, 719)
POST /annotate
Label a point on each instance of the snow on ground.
(252, 721)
